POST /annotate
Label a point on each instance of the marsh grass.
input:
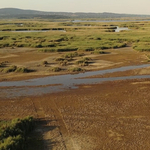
(56, 69)
(76, 69)
(23, 70)
(98, 52)
(16, 69)
(79, 36)
(9, 69)
(83, 62)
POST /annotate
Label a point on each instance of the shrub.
(56, 69)
(10, 69)
(59, 59)
(66, 49)
(13, 143)
(64, 63)
(22, 70)
(76, 69)
(84, 61)
(98, 52)
(14, 134)
(16, 69)
(110, 30)
(2, 64)
(46, 50)
(71, 55)
(44, 62)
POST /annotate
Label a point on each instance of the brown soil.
(111, 115)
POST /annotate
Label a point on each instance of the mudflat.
(110, 115)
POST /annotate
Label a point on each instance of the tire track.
(54, 131)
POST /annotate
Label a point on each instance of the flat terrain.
(108, 116)
(111, 115)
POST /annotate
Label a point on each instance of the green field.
(78, 36)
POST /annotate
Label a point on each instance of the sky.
(98, 6)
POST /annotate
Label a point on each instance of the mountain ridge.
(27, 13)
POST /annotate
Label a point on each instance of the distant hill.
(29, 14)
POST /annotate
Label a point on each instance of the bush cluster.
(76, 69)
(98, 52)
(13, 136)
(15, 69)
(84, 61)
(56, 69)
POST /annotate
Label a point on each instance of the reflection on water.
(120, 29)
(20, 88)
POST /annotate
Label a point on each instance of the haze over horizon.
(96, 6)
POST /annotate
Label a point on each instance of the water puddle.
(28, 31)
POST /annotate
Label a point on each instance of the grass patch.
(56, 69)
(98, 52)
(76, 69)
(9, 69)
(84, 61)
(23, 70)
(142, 46)
(72, 55)
(16, 69)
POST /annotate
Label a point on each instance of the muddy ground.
(112, 115)
(108, 116)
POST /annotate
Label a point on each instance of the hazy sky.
(116, 6)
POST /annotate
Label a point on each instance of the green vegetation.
(10, 69)
(14, 134)
(84, 61)
(23, 70)
(56, 69)
(15, 69)
(142, 47)
(80, 36)
(64, 63)
(3, 64)
(72, 55)
(98, 52)
(85, 38)
(76, 69)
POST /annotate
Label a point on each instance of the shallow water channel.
(43, 85)
(28, 31)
